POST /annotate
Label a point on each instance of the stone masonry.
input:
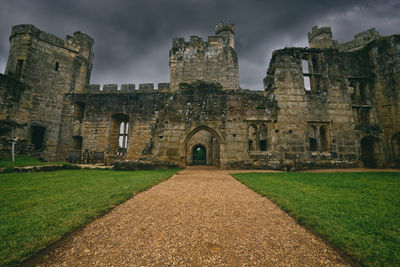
(331, 105)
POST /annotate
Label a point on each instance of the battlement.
(221, 27)
(126, 88)
(315, 31)
(202, 60)
(196, 41)
(74, 43)
(322, 38)
(360, 40)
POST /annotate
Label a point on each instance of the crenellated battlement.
(360, 40)
(73, 43)
(221, 27)
(126, 88)
(214, 60)
(180, 43)
(322, 38)
(315, 32)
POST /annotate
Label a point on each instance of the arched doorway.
(199, 155)
(368, 148)
(205, 138)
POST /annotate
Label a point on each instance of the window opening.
(18, 70)
(37, 136)
(263, 138)
(77, 142)
(79, 111)
(123, 136)
(252, 138)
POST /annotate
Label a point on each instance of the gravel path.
(200, 217)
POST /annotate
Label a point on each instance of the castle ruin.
(328, 106)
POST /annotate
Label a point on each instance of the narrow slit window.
(306, 74)
(57, 66)
(123, 136)
(307, 83)
(18, 70)
(304, 65)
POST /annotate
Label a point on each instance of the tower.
(320, 37)
(52, 67)
(227, 31)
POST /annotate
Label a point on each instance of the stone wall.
(385, 85)
(211, 61)
(51, 67)
(164, 126)
(323, 113)
(331, 105)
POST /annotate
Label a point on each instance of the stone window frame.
(79, 111)
(123, 132)
(257, 124)
(116, 120)
(312, 73)
(19, 66)
(322, 136)
(360, 100)
(57, 66)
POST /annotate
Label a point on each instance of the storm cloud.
(132, 38)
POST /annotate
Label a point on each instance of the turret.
(320, 37)
(43, 60)
(227, 31)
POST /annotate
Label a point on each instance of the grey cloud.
(132, 38)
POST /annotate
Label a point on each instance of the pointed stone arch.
(210, 139)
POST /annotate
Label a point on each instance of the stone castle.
(330, 105)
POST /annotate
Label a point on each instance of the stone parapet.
(126, 88)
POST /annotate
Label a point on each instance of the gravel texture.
(199, 217)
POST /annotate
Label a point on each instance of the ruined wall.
(164, 126)
(331, 105)
(322, 38)
(323, 113)
(211, 61)
(385, 66)
(14, 115)
(51, 67)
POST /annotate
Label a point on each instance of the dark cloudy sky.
(133, 37)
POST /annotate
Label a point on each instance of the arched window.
(313, 138)
(263, 138)
(323, 138)
(252, 141)
(319, 136)
(119, 134)
(123, 136)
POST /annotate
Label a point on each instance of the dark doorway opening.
(77, 142)
(368, 152)
(313, 144)
(37, 137)
(396, 149)
(199, 155)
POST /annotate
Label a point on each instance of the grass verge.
(21, 161)
(37, 209)
(357, 212)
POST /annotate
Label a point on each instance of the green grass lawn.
(37, 209)
(357, 212)
(20, 161)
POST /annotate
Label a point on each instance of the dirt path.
(200, 217)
